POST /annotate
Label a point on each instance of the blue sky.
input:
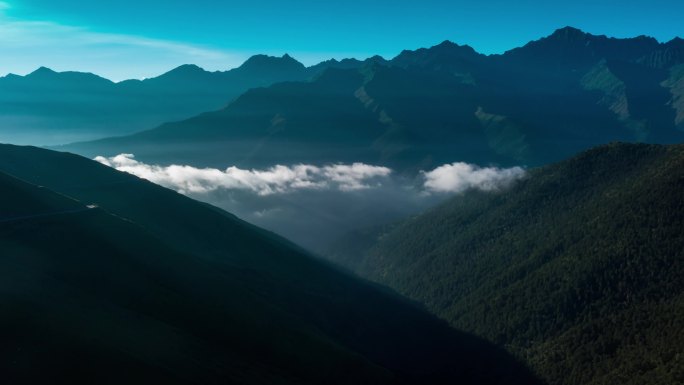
(134, 39)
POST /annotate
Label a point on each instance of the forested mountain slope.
(577, 269)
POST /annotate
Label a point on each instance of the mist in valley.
(315, 205)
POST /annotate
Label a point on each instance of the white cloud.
(352, 177)
(28, 44)
(275, 180)
(302, 200)
(449, 178)
(459, 176)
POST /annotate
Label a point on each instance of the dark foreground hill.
(536, 104)
(109, 279)
(577, 269)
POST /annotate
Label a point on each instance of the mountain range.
(576, 268)
(107, 278)
(532, 105)
(48, 107)
(572, 268)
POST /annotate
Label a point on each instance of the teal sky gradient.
(220, 34)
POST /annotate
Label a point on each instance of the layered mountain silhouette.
(48, 107)
(107, 278)
(571, 47)
(532, 105)
(576, 269)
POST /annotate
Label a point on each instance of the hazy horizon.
(126, 40)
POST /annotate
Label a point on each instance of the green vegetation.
(109, 279)
(577, 269)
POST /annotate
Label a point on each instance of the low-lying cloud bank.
(277, 179)
(459, 176)
(316, 205)
(449, 178)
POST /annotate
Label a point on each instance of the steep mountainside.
(532, 105)
(676, 84)
(576, 269)
(106, 278)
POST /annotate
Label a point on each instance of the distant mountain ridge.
(574, 44)
(532, 105)
(48, 107)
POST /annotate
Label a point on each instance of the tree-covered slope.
(106, 278)
(577, 269)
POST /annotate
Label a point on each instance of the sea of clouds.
(279, 179)
(314, 205)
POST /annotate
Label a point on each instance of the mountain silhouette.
(48, 107)
(532, 105)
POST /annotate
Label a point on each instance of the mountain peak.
(676, 42)
(376, 59)
(447, 43)
(445, 55)
(569, 33)
(44, 74)
(188, 68)
(569, 30)
(42, 71)
(572, 34)
(570, 47)
(667, 55)
(265, 62)
(185, 72)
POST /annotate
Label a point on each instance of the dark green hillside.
(577, 269)
(149, 286)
